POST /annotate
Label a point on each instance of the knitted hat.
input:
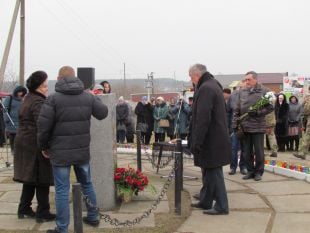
(98, 87)
(35, 80)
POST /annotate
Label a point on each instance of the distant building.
(167, 96)
(274, 81)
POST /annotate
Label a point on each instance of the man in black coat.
(209, 140)
(64, 137)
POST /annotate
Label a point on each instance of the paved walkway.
(275, 204)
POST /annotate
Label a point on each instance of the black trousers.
(292, 140)
(214, 189)
(160, 137)
(42, 194)
(253, 145)
(146, 138)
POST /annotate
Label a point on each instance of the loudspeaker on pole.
(87, 76)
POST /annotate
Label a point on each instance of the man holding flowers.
(249, 116)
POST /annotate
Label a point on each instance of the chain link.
(129, 223)
(162, 164)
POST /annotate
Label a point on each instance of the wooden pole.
(22, 43)
(8, 43)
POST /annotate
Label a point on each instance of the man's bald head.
(66, 71)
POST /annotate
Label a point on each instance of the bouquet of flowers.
(129, 181)
(267, 99)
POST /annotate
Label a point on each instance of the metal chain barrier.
(129, 223)
(162, 164)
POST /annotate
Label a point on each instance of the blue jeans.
(62, 187)
(235, 147)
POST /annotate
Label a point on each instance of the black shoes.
(197, 205)
(299, 156)
(26, 214)
(274, 154)
(46, 218)
(243, 171)
(196, 196)
(232, 172)
(91, 223)
(53, 231)
(215, 212)
(248, 176)
(257, 177)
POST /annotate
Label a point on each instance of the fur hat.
(35, 80)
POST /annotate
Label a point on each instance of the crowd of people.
(50, 133)
(279, 126)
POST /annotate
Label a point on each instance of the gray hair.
(198, 68)
(253, 73)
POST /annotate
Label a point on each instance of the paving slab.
(10, 187)
(267, 177)
(11, 222)
(241, 222)
(2, 178)
(290, 203)
(291, 222)
(245, 201)
(233, 186)
(195, 186)
(281, 187)
(141, 206)
(6, 173)
(11, 196)
(8, 208)
(51, 225)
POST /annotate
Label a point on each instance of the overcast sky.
(162, 36)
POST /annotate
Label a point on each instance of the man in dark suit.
(210, 143)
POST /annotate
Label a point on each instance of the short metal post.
(139, 163)
(77, 208)
(180, 149)
(178, 178)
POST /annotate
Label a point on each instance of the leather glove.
(252, 113)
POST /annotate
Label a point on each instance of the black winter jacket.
(64, 122)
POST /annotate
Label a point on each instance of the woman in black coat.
(281, 114)
(30, 167)
(145, 120)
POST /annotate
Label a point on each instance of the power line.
(93, 32)
(75, 34)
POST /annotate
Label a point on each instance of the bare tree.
(10, 79)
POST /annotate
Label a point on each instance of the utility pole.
(152, 81)
(8, 43)
(22, 44)
(149, 85)
(125, 88)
